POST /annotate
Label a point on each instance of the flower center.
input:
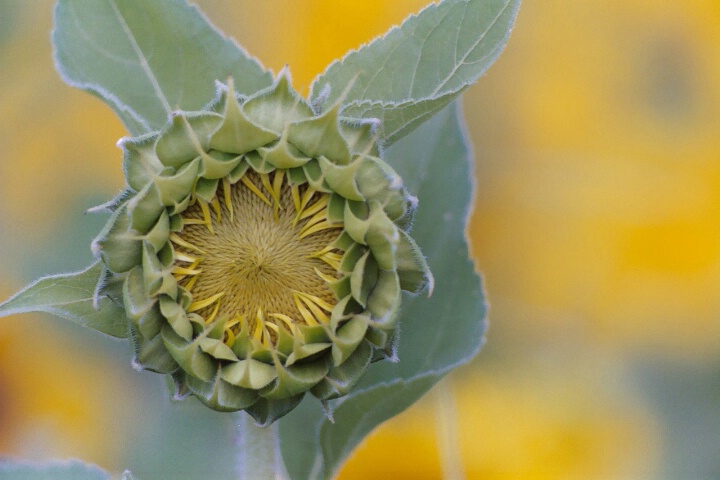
(262, 257)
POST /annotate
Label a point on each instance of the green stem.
(448, 429)
(259, 456)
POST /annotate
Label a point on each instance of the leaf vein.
(141, 57)
(470, 50)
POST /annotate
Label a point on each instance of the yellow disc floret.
(261, 255)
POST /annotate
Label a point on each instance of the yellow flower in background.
(516, 427)
(598, 206)
(51, 399)
(47, 409)
(307, 35)
(32, 89)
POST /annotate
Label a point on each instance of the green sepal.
(217, 165)
(249, 373)
(243, 346)
(151, 354)
(184, 298)
(379, 338)
(412, 268)
(266, 411)
(177, 379)
(159, 234)
(343, 242)
(217, 349)
(259, 163)
(206, 189)
(295, 379)
(180, 206)
(342, 378)
(406, 221)
(237, 134)
(284, 343)
(140, 164)
(377, 181)
(177, 318)
(188, 355)
(314, 333)
(220, 395)
(348, 337)
(361, 135)
(315, 177)
(336, 208)
(341, 287)
(238, 171)
(390, 350)
(166, 255)
(363, 278)
(296, 176)
(197, 322)
(158, 278)
(117, 246)
(342, 178)
(273, 108)
(382, 237)
(145, 209)
(320, 136)
(357, 220)
(175, 185)
(384, 301)
(342, 311)
(216, 331)
(113, 204)
(283, 155)
(176, 222)
(135, 298)
(185, 137)
(151, 323)
(352, 255)
(261, 352)
(302, 351)
(109, 285)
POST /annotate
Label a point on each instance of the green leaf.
(146, 59)
(71, 296)
(417, 69)
(53, 470)
(437, 334)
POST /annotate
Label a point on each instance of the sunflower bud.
(262, 248)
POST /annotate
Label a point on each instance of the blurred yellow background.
(596, 226)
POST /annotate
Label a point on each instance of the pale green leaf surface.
(437, 334)
(418, 68)
(70, 296)
(53, 470)
(148, 58)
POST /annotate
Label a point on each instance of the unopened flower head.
(259, 251)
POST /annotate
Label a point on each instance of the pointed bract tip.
(328, 410)
(430, 285)
(284, 74)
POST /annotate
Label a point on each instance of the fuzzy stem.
(448, 429)
(259, 456)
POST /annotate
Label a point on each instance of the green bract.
(259, 251)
